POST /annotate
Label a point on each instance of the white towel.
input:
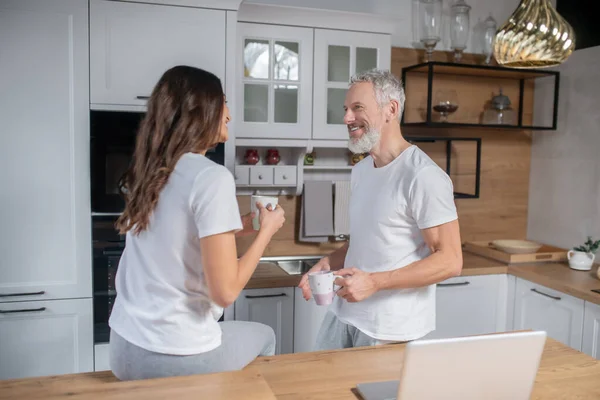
(342, 208)
(301, 231)
(318, 208)
(316, 213)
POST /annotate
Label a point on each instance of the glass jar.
(459, 28)
(429, 23)
(500, 112)
(488, 38)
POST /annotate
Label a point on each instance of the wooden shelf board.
(327, 167)
(473, 125)
(483, 71)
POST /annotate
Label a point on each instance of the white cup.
(322, 287)
(265, 201)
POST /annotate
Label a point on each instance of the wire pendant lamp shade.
(534, 36)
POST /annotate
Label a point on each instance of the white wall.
(564, 191)
(402, 11)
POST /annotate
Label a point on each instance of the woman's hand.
(271, 220)
(247, 228)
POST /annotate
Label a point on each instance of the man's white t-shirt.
(388, 208)
(162, 302)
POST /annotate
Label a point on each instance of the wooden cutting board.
(546, 253)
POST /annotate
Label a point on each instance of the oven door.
(109, 164)
(112, 144)
(111, 147)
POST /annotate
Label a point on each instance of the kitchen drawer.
(242, 175)
(261, 176)
(285, 176)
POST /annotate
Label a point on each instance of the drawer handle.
(22, 310)
(284, 177)
(465, 283)
(264, 296)
(259, 176)
(142, 97)
(545, 294)
(23, 294)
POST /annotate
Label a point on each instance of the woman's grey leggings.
(241, 343)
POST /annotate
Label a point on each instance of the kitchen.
(102, 57)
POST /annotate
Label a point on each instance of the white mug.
(265, 201)
(322, 287)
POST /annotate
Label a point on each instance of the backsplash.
(499, 213)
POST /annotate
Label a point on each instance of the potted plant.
(582, 257)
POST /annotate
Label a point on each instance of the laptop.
(492, 367)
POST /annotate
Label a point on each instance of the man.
(404, 232)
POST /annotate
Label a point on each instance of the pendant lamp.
(534, 36)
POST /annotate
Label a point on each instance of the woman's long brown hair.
(184, 115)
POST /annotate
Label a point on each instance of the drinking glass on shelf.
(445, 102)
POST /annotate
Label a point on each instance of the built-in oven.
(107, 248)
(112, 142)
(111, 146)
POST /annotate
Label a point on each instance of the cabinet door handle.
(264, 296)
(545, 294)
(465, 283)
(142, 97)
(22, 294)
(22, 310)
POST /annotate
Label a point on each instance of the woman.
(179, 268)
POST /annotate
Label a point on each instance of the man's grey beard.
(365, 143)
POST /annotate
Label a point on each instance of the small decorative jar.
(252, 156)
(355, 158)
(273, 157)
(500, 112)
(309, 158)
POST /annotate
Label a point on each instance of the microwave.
(112, 141)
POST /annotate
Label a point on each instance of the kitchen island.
(564, 373)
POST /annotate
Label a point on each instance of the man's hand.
(322, 265)
(356, 284)
(247, 228)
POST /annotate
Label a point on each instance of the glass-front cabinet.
(274, 76)
(338, 56)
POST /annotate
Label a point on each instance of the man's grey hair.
(386, 85)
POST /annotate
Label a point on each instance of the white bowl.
(516, 246)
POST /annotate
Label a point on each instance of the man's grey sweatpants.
(335, 334)
(241, 343)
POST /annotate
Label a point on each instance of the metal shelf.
(481, 71)
(449, 140)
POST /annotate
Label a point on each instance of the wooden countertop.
(272, 276)
(564, 373)
(559, 276)
(556, 276)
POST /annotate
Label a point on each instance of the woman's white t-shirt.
(162, 302)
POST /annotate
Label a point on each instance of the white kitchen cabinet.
(273, 307)
(45, 238)
(308, 317)
(540, 308)
(132, 45)
(591, 330)
(40, 338)
(338, 56)
(274, 77)
(510, 301)
(470, 305)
